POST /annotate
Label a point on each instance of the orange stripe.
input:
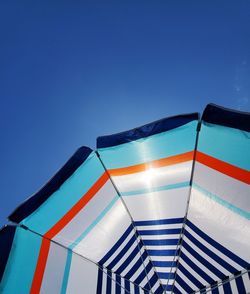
(152, 164)
(40, 266)
(44, 250)
(224, 167)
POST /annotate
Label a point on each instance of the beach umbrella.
(162, 208)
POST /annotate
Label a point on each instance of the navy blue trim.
(7, 234)
(36, 200)
(226, 117)
(147, 130)
(99, 281)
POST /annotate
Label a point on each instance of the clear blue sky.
(73, 70)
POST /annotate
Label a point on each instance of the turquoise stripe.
(223, 202)
(21, 265)
(66, 273)
(170, 143)
(80, 238)
(72, 190)
(227, 144)
(156, 189)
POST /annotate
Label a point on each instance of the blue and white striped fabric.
(197, 264)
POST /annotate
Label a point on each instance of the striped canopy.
(163, 208)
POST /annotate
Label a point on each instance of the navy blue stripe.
(202, 260)
(227, 117)
(152, 282)
(136, 289)
(214, 287)
(218, 246)
(143, 273)
(199, 271)
(227, 287)
(135, 267)
(147, 130)
(122, 252)
(164, 252)
(210, 253)
(159, 232)
(159, 263)
(159, 290)
(159, 222)
(176, 290)
(183, 284)
(32, 203)
(240, 285)
(117, 245)
(168, 287)
(129, 259)
(127, 286)
(186, 273)
(118, 284)
(7, 234)
(163, 275)
(160, 242)
(109, 281)
(99, 282)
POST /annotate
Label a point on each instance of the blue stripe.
(218, 246)
(159, 290)
(227, 287)
(163, 275)
(159, 222)
(109, 281)
(66, 273)
(99, 282)
(159, 232)
(158, 263)
(202, 260)
(127, 286)
(160, 242)
(117, 245)
(117, 284)
(164, 252)
(223, 202)
(175, 290)
(156, 189)
(136, 289)
(210, 253)
(215, 290)
(240, 285)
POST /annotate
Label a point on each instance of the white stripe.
(156, 177)
(225, 187)
(158, 205)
